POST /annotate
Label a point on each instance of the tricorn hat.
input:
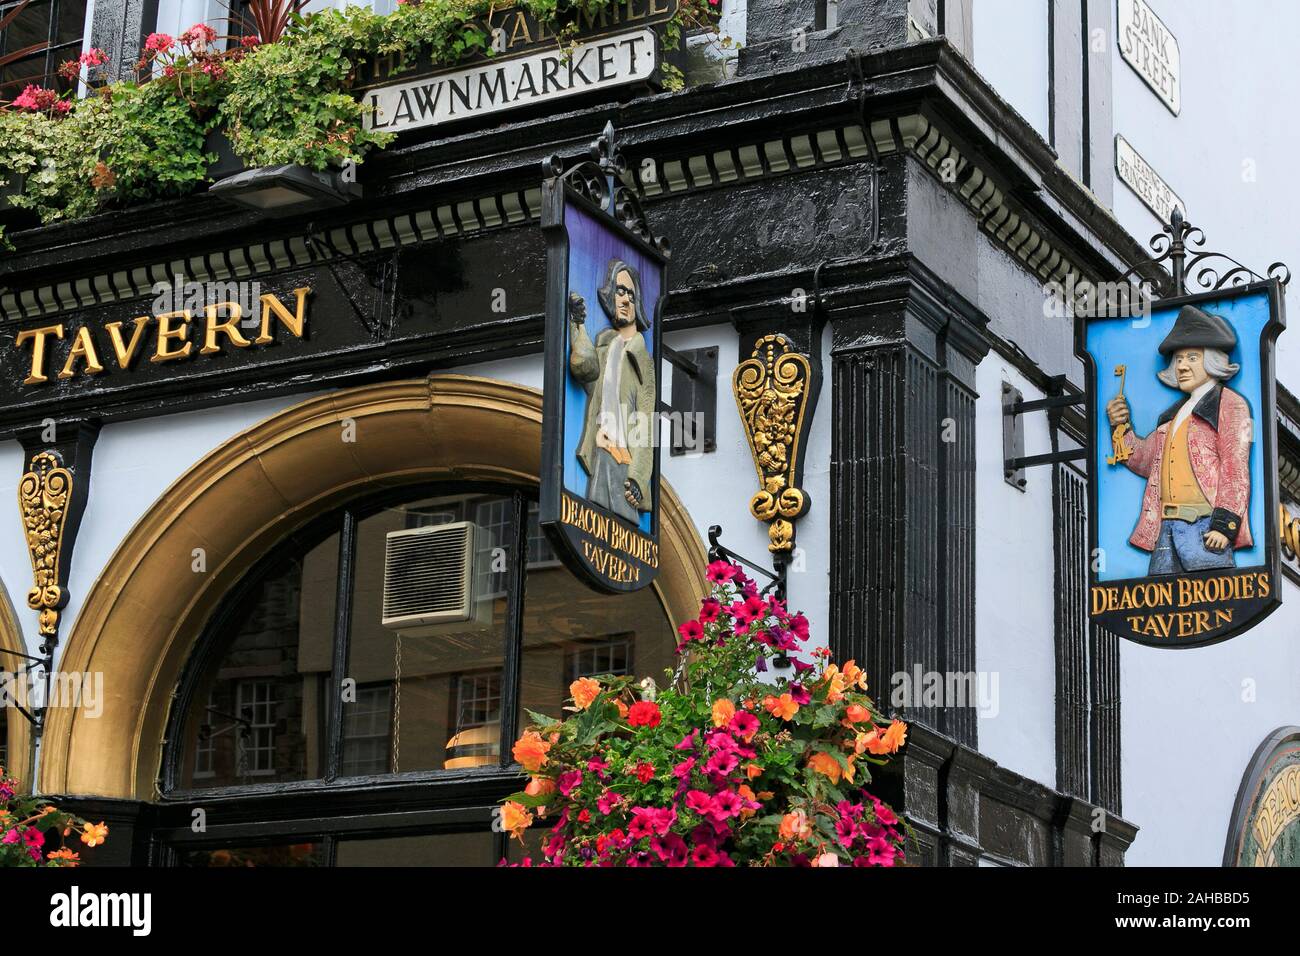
(1197, 329)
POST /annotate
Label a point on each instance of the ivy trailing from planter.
(291, 101)
(287, 101)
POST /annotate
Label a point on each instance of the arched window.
(318, 724)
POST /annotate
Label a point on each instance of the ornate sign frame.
(1268, 801)
(591, 219)
(1181, 606)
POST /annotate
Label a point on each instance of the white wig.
(1217, 367)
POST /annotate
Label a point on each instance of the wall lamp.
(288, 190)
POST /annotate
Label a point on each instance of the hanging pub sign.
(1183, 459)
(605, 282)
(1265, 829)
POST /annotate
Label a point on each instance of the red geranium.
(644, 713)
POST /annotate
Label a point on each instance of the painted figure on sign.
(615, 449)
(1197, 461)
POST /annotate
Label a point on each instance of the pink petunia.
(720, 572)
(691, 631)
(722, 762)
(699, 802)
(710, 610)
(744, 725)
(568, 781)
(704, 856)
(608, 801)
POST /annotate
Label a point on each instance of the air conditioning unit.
(430, 581)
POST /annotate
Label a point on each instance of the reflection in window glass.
(288, 854)
(445, 678)
(571, 631)
(258, 711)
(443, 849)
(367, 731)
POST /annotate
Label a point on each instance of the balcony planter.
(10, 216)
(227, 163)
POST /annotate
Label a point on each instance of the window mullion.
(342, 639)
(514, 626)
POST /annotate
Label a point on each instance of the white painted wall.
(134, 463)
(1014, 627)
(1191, 721)
(1010, 39)
(1238, 69)
(1187, 731)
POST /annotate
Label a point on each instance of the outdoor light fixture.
(287, 190)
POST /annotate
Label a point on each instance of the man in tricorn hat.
(1197, 461)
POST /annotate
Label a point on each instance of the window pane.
(258, 713)
(72, 22)
(288, 854)
(444, 849)
(571, 631)
(446, 561)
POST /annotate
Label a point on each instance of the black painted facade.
(918, 275)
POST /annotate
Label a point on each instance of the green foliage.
(292, 101)
(149, 141)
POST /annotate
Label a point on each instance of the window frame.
(54, 53)
(326, 808)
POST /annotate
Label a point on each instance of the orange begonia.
(753, 770)
(530, 750)
(94, 834)
(872, 742)
(745, 791)
(826, 765)
(622, 709)
(856, 714)
(783, 706)
(584, 690)
(795, 826)
(723, 711)
(515, 818)
(896, 736)
(540, 787)
(854, 676)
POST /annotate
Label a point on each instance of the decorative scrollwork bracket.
(43, 497)
(604, 181)
(771, 388)
(1178, 245)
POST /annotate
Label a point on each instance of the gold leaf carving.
(771, 389)
(43, 502)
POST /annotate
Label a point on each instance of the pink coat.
(1219, 433)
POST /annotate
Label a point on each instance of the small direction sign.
(1147, 45)
(1138, 176)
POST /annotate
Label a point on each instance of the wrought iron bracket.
(695, 400)
(1178, 247)
(1014, 406)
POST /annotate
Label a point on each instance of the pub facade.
(210, 491)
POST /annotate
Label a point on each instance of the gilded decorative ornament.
(771, 388)
(43, 501)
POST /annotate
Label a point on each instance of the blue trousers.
(1181, 547)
